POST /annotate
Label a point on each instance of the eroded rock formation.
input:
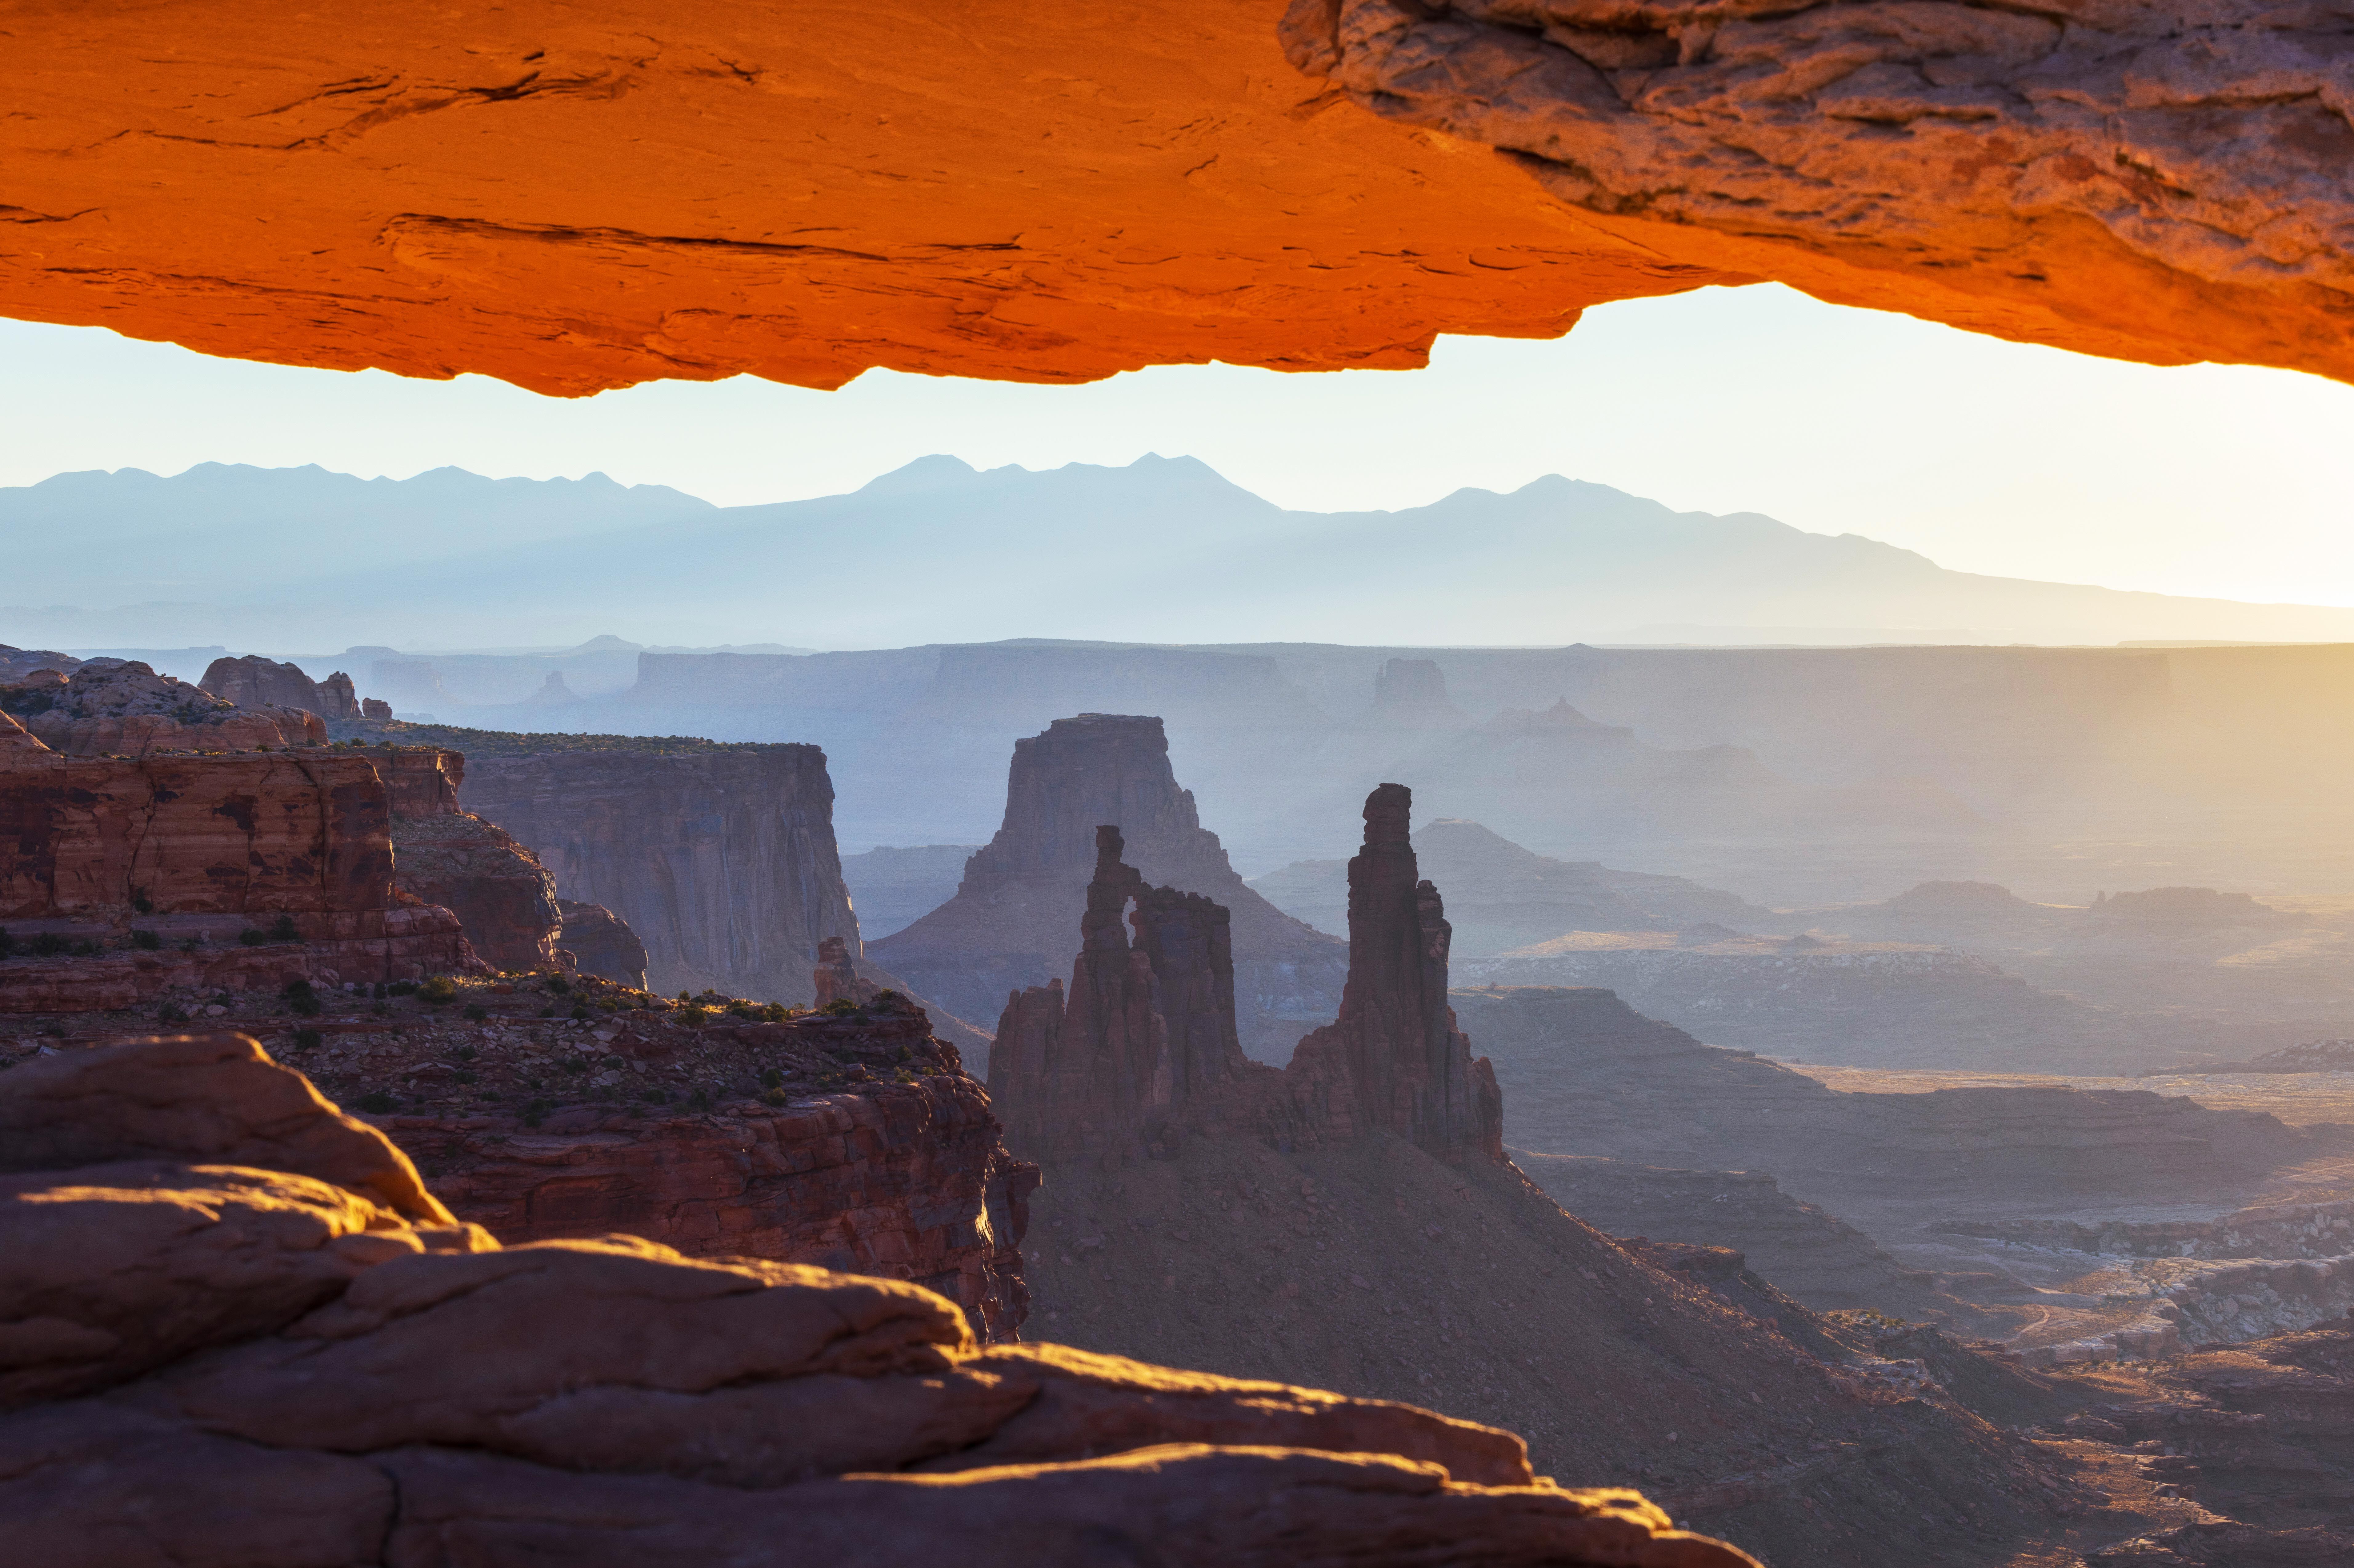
(373, 1383)
(602, 943)
(253, 682)
(2134, 180)
(111, 707)
(1015, 920)
(1144, 1050)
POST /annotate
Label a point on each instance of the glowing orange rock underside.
(573, 196)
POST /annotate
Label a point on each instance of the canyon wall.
(1016, 919)
(721, 859)
(236, 871)
(602, 943)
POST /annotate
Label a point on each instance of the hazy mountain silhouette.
(1164, 549)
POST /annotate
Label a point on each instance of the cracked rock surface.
(2171, 172)
(205, 1362)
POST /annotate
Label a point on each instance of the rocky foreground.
(238, 1330)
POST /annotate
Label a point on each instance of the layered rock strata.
(602, 943)
(1143, 1048)
(111, 707)
(1016, 919)
(375, 1383)
(447, 856)
(721, 860)
(231, 871)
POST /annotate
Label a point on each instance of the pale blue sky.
(1986, 456)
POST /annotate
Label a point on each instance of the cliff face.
(234, 872)
(722, 861)
(109, 707)
(1016, 919)
(375, 1382)
(474, 868)
(1143, 1050)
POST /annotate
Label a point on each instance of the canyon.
(1013, 922)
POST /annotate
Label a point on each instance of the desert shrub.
(476, 1012)
(465, 1052)
(770, 1077)
(559, 985)
(437, 990)
(147, 941)
(285, 930)
(576, 1066)
(377, 1102)
(141, 902)
(86, 950)
(842, 1009)
(171, 1012)
(305, 1039)
(253, 938)
(7, 943)
(699, 1101)
(888, 995)
(776, 1096)
(535, 1112)
(46, 944)
(301, 1000)
(401, 987)
(694, 1017)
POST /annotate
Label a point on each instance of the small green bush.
(301, 1000)
(285, 930)
(842, 1009)
(306, 1039)
(699, 1101)
(535, 1112)
(7, 943)
(147, 941)
(253, 938)
(377, 1102)
(770, 1077)
(476, 1012)
(437, 990)
(465, 1052)
(559, 985)
(776, 1096)
(401, 987)
(171, 1012)
(141, 902)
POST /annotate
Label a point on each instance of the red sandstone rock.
(376, 708)
(593, 1402)
(1016, 919)
(254, 681)
(533, 196)
(496, 887)
(602, 943)
(15, 663)
(111, 707)
(197, 850)
(301, 830)
(837, 977)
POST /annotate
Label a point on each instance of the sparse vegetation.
(476, 1012)
(147, 941)
(301, 999)
(377, 1102)
(306, 1039)
(437, 991)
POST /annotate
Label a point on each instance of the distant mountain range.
(1162, 550)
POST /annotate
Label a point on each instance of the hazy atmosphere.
(1444, 786)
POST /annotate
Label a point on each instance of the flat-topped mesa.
(1410, 1067)
(1013, 920)
(1141, 1051)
